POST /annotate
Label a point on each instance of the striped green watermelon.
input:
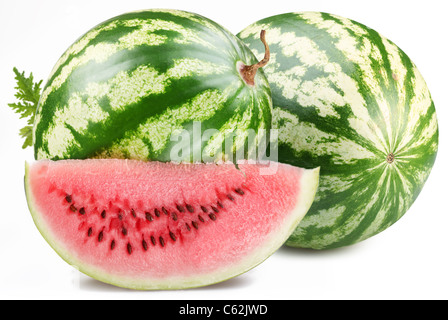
(142, 85)
(350, 101)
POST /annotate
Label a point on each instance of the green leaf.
(28, 94)
(27, 133)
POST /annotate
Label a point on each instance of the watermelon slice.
(154, 225)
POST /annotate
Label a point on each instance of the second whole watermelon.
(351, 101)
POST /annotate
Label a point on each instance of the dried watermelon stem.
(248, 72)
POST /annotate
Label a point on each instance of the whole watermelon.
(350, 101)
(149, 84)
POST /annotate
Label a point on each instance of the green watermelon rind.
(323, 69)
(133, 82)
(308, 187)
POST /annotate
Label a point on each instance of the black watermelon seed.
(172, 236)
(112, 245)
(174, 216)
(68, 198)
(89, 232)
(103, 214)
(215, 209)
(100, 236)
(129, 248)
(145, 245)
(162, 242)
(190, 208)
(153, 240)
(204, 209)
(200, 218)
(82, 211)
(124, 231)
(149, 216)
(195, 224)
(133, 213)
(229, 196)
(157, 212)
(239, 191)
(187, 226)
(180, 208)
(164, 211)
(212, 216)
(73, 208)
(220, 205)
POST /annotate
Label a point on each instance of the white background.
(407, 261)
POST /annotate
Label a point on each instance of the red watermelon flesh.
(153, 225)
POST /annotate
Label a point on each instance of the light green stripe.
(102, 51)
(159, 129)
(143, 36)
(188, 67)
(306, 137)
